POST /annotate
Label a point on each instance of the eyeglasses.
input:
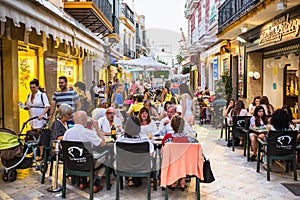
(110, 113)
(61, 82)
(70, 114)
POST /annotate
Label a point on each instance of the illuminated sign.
(280, 27)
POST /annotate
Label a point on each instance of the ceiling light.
(281, 5)
(244, 28)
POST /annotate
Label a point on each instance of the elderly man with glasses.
(106, 121)
(165, 124)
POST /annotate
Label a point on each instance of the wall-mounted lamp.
(244, 28)
(254, 75)
(241, 40)
(281, 5)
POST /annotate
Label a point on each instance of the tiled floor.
(235, 179)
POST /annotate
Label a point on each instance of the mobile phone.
(21, 105)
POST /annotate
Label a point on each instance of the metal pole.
(55, 149)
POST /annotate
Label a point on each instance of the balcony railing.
(105, 7)
(87, 13)
(128, 13)
(231, 10)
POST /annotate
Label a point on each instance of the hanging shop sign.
(282, 26)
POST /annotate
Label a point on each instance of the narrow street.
(235, 179)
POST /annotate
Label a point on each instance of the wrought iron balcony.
(232, 10)
(96, 15)
(128, 13)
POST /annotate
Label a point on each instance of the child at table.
(258, 119)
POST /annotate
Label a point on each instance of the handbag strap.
(204, 157)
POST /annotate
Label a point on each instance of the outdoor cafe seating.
(79, 161)
(133, 159)
(279, 145)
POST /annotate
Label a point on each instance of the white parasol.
(147, 63)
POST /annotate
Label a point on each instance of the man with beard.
(65, 95)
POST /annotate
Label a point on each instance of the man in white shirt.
(165, 124)
(79, 133)
(105, 122)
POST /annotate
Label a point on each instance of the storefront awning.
(45, 17)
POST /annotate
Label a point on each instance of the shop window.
(27, 71)
(291, 86)
(68, 68)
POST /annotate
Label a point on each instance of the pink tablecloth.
(179, 160)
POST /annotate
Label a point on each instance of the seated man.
(165, 125)
(79, 133)
(105, 122)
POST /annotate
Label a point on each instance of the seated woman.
(148, 126)
(132, 135)
(177, 123)
(258, 119)
(59, 126)
(152, 112)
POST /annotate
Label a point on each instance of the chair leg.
(64, 182)
(232, 140)
(149, 186)
(226, 131)
(245, 145)
(44, 169)
(268, 168)
(118, 187)
(166, 193)
(91, 186)
(198, 188)
(107, 177)
(258, 157)
(51, 166)
(121, 182)
(248, 148)
(295, 169)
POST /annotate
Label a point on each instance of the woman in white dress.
(37, 104)
(188, 104)
(148, 126)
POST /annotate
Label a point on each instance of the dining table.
(259, 130)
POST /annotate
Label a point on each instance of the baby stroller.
(14, 151)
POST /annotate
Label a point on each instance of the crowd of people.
(88, 115)
(155, 113)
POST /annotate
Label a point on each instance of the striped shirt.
(69, 97)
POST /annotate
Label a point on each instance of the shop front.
(275, 61)
(42, 48)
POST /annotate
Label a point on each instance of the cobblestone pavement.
(235, 179)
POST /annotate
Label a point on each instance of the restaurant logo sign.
(280, 27)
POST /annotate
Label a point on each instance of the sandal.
(130, 182)
(152, 182)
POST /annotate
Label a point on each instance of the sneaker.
(253, 158)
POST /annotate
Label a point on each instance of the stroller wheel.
(5, 176)
(12, 175)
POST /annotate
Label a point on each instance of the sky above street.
(165, 14)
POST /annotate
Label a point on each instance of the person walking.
(85, 97)
(188, 105)
(37, 104)
(64, 95)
